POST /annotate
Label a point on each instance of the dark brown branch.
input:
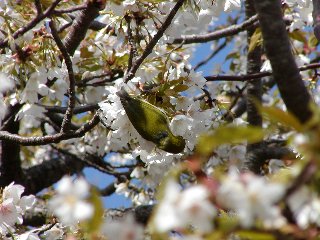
(37, 3)
(57, 119)
(81, 24)
(77, 110)
(37, 216)
(278, 50)
(226, 32)
(254, 88)
(10, 162)
(71, 90)
(316, 18)
(71, 9)
(32, 141)
(92, 161)
(31, 24)
(111, 76)
(49, 172)
(95, 25)
(258, 156)
(108, 190)
(240, 106)
(251, 77)
(153, 41)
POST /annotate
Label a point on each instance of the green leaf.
(255, 40)
(180, 88)
(228, 134)
(232, 55)
(94, 224)
(251, 235)
(227, 222)
(312, 41)
(276, 115)
(298, 35)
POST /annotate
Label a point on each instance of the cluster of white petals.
(180, 209)
(70, 203)
(13, 206)
(252, 198)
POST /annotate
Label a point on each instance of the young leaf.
(255, 40)
(228, 134)
(278, 116)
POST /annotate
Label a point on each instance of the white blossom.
(13, 206)
(127, 229)
(251, 198)
(53, 233)
(305, 206)
(179, 209)
(69, 204)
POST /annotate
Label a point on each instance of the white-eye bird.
(151, 123)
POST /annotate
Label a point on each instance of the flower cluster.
(13, 206)
(70, 204)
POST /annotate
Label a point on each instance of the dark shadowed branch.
(254, 87)
(278, 50)
(81, 25)
(316, 18)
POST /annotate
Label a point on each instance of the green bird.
(151, 123)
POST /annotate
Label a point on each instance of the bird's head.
(172, 144)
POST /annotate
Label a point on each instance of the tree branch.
(81, 24)
(251, 77)
(316, 18)
(71, 91)
(278, 50)
(226, 32)
(49, 172)
(254, 88)
(10, 161)
(71, 9)
(76, 110)
(153, 41)
(32, 141)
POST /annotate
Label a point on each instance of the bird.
(151, 122)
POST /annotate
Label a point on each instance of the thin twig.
(153, 41)
(31, 24)
(226, 32)
(249, 77)
(88, 79)
(133, 50)
(71, 91)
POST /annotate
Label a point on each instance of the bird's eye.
(162, 135)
